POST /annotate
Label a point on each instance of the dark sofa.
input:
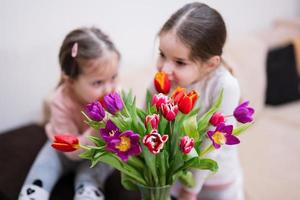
(18, 149)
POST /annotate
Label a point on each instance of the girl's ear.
(66, 78)
(213, 62)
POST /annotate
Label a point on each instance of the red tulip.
(169, 111)
(65, 143)
(186, 144)
(162, 82)
(187, 102)
(216, 119)
(177, 95)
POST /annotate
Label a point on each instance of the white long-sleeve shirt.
(226, 156)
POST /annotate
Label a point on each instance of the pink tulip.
(169, 111)
(186, 144)
(216, 119)
(154, 141)
(153, 120)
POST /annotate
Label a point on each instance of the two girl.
(190, 45)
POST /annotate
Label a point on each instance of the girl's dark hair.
(92, 43)
(200, 27)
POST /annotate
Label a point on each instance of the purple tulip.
(222, 135)
(243, 113)
(95, 111)
(110, 131)
(113, 102)
(127, 144)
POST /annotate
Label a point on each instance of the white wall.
(32, 31)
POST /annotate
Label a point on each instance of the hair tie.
(74, 50)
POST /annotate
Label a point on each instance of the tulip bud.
(216, 119)
(186, 144)
(95, 111)
(169, 111)
(159, 99)
(187, 102)
(243, 113)
(153, 120)
(65, 143)
(113, 102)
(162, 82)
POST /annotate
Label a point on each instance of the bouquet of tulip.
(156, 146)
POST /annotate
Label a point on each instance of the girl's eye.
(161, 54)
(180, 63)
(114, 77)
(97, 83)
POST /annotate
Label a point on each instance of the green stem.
(207, 150)
(84, 147)
(87, 117)
(136, 162)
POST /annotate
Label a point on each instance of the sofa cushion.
(283, 81)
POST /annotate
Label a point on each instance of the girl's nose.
(167, 68)
(108, 87)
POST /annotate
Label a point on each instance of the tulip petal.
(231, 140)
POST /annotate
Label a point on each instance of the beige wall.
(32, 31)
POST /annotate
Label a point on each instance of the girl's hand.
(186, 195)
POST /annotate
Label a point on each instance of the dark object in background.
(283, 82)
(18, 149)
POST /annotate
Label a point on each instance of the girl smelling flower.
(190, 44)
(89, 64)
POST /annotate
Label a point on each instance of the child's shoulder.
(223, 79)
(60, 98)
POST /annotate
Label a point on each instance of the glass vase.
(155, 193)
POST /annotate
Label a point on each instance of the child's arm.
(61, 123)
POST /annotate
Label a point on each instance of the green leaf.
(187, 178)
(152, 110)
(127, 182)
(193, 153)
(198, 163)
(197, 146)
(127, 98)
(115, 162)
(148, 99)
(190, 127)
(137, 124)
(176, 162)
(123, 123)
(88, 154)
(163, 123)
(97, 157)
(141, 114)
(239, 130)
(136, 162)
(96, 140)
(195, 111)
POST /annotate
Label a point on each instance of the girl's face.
(98, 78)
(174, 60)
